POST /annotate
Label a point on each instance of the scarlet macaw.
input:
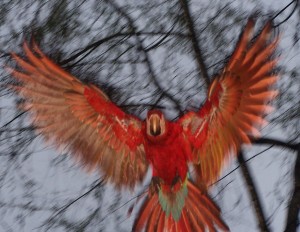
(81, 118)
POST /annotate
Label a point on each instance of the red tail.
(198, 214)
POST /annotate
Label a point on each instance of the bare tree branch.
(292, 221)
(228, 174)
(96, 44)
(66, 206)
(253, 194)
(196, 46)
(276, 142)
(92, 46)
(146, 56)
(16, 117)
(282, 10)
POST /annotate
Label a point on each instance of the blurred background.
(145, 54)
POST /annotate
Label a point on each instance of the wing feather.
(80, 118)
(238, 99)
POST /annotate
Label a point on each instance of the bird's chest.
(169, 158)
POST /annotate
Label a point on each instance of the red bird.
(80, 118)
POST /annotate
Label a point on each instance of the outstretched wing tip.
(250, 23)
(237, 101)
(46, 87)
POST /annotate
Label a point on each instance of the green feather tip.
(173, 202)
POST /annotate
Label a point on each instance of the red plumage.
(168, 153)
(82, 119)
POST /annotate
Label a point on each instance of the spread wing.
(81, 119)
(237, 101)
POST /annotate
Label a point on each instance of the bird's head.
(156, 123)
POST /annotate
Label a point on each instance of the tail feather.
(146, 212)
(206, 207)
(193, 219)
(199, 213)
(186, 223)
(161, 222)
(195, 194)
(152, 225)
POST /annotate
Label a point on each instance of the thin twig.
(282, 10)
(141, 48)
(236, 168)
(262, 222)
(92, 46)
(16, 117)
(65, 207)
(292, 221)
(99, 42)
